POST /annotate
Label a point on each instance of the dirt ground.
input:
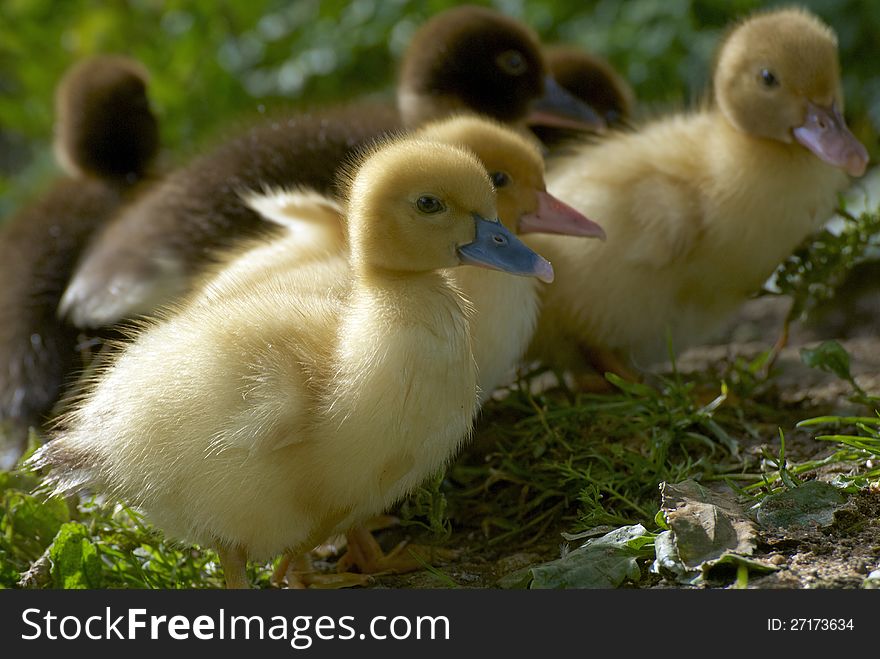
(840, 556)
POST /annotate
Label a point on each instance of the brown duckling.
(594, 81)
(41, 244)
(154, 251)
(473, 59)
(105, 127)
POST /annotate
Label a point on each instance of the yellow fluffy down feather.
(698, 208)
(301, 402)
(505, 307)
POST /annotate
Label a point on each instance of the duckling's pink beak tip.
(825, 133)
(544, 271)
(857, 163)
(555, 216)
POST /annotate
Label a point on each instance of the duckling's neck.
(784, 188)
(405, 391)
(405, 286)
(504, 319)
(739, 141)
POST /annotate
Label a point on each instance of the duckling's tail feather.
(71, 467)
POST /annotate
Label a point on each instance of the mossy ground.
(543, 463)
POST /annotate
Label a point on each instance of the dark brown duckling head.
(592, 80)
(104, 125)
(475, 59)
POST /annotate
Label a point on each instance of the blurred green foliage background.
(215, 60)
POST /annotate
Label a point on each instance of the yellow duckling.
(505, 307)
(700, 208)
(288, 401)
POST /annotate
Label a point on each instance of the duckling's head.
(104, 125)
(592, 80)
(777, 76)
(415, 206)
(516, 168)
(473, 58)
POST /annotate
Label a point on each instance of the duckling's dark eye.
(429, 205)
(500, 179)
(512, 62)
(768, 78)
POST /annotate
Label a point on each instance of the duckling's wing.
(117, 277)
(134, 288)
(290, 207)
(273, 403)
(287, 319)
(643, 188)
(315, 223)
(666, 220)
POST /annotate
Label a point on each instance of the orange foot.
(365, 555)
(604, 361)
(336, 545)
(298, 573)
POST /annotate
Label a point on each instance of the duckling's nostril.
(499, 240)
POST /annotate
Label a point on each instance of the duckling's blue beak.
(497, 248)
(825, 133)
(561, 109)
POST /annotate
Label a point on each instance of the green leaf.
(604, 562)
(837, 420)
(75, 561)
(812, 504)
(867, 444)
(631, 388)
(660, 520)
(8, 574)
(18, 480)
(32, 519)
(830, 357)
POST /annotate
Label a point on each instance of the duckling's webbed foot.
(335, 545)
(296, 572)
(365, 555)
